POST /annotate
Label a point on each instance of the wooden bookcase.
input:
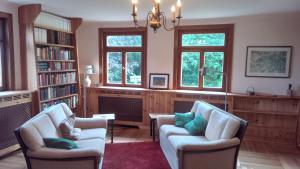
(50, 40)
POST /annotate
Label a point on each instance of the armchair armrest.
(87, 123)
(165, 119)
(206, 146)
(52, 153)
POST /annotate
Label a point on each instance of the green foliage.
(133, 68)
(190, 69)
(130, 41)
(214, 68)
(114, 67)
(209, 39)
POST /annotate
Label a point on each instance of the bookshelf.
(55, 55)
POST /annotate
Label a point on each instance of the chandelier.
(156, 18)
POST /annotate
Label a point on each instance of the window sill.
(154, 90)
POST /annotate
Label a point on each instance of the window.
(123, 56)
(198, 47)
(7, 74)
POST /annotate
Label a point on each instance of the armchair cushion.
(204, 110)
(89, 123)
(221, 126)
(169, 130)
(201, 143)
(165, 119)
(92, 134)
(183, 118)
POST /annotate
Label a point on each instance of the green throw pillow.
(182, 118)
(196, 126)
(60, 143)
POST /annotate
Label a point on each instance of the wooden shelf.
(54, 85)
(267, 112)
(57, 71)
(53, 29)
(58, 98)
(56, 60)
(54, 45)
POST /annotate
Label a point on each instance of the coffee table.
(110, 119)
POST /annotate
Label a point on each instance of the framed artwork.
(268, 61)
(159, 81)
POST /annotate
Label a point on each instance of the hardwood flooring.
(253, 155)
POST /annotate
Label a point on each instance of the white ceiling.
(119, 10)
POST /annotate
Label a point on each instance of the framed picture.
(268, 61)
(159, 81)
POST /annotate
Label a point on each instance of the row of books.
(52, 21)
(62, 38)
(71, 102)
(54, 92)
(50, 66)
(53, 53)
(40, 35)
(52, 79)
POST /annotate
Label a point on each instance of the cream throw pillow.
(67, 129)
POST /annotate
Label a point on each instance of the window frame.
(104, 49)
(228, 29)
(8, 53)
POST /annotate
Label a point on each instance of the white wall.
(264, 30)
(13, 9)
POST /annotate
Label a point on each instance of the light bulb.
(173, 8)
(178, 3)
(157, 1)
(153, 10)
(134, 2)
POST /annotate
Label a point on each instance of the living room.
(142, 77)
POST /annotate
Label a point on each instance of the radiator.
(186, 106)
(15, 109)
(125, 109)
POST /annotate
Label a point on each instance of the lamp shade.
(89, 69)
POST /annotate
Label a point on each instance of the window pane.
(190, 69)
(213, 62)
(114, 67)
(124, 41)
(209, 39)
(133, 68)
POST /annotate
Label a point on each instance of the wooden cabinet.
(271, 118)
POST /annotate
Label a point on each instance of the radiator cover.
(14, 111)
(125, 109)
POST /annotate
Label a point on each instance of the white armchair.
(217, 149)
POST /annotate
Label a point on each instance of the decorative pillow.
(67, 129)
(182, 118)
(196, 126)
(60, 143)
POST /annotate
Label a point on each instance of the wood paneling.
(271, 118)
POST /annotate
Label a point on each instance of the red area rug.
(144, 155)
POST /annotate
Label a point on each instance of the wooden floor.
(253, 155)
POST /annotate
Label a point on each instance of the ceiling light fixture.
(156, 18)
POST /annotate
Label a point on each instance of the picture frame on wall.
(158, 81)
(268, 61)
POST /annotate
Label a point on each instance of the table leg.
(153, 130)
(112, 131)
(151, 124)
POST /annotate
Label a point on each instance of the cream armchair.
(217, 149)
(91, 141)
